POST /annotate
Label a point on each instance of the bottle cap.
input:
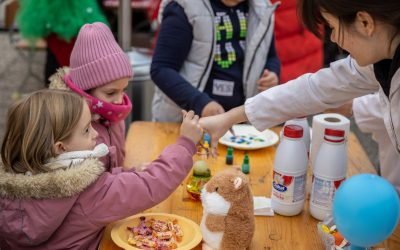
(293, 131)
(334, 135)
(246, 159)
(230, 151)
(229, 156)
(245, 165)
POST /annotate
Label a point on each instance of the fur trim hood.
(57, 79)
(60, 183)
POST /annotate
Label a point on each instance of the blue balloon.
(366, 209)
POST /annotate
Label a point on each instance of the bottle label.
(323, 191)
(287, 188)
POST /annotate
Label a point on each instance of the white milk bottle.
(329, 171)
(302, 121)
(290, 169)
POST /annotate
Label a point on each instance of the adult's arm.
(368, 113)
(311, 93)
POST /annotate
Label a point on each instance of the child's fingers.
(196, 118)
(189, 115)
(184, 112)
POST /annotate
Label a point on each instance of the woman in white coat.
(370, 32)
(367, 113)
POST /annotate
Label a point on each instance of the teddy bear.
(228, 212)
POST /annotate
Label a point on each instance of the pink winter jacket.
(114, 137)
(69, 208)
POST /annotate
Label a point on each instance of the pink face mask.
(109, 113)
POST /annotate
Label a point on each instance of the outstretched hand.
(190, 127)
(345, 110)
(216, 126)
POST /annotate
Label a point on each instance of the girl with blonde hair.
(54, 191)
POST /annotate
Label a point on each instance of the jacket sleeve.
(125, 193)
(311, 93)
(173, 45)
(368, 114)
(273, 63)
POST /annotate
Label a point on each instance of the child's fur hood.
(60, 183)
(57, 79)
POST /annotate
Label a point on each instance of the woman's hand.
(345, 110)
(216, 126)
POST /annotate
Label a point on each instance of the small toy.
(207, 138)
(331, 237)
(228, 211)
(229, 156)
(200, 176)
(204, 149)
(246, 164)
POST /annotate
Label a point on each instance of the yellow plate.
(191, 231)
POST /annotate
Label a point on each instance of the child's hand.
(268, 79)
(190, 127)
(212, 108)
(143, 166)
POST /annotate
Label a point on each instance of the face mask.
(108, 112)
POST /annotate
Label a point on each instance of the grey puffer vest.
(196, 69)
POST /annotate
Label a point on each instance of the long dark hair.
(387, 11)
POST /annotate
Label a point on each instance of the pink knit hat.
(96, 58)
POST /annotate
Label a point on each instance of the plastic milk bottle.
(329, 171)
(302, 121)
(290, 169)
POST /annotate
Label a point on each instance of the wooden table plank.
(145, 140)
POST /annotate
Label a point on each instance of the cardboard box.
(10, 13)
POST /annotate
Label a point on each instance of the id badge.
(223, 88)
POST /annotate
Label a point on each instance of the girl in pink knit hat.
(56, 194)
(100, 72)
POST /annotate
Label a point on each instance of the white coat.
(330, 88)
(369, 118)
(327, 88)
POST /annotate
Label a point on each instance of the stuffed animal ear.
(237, 182)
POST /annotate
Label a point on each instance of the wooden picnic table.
(145, 141)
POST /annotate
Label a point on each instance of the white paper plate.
(249, 138)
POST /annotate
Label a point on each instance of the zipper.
(212, 49)
(109, 155)
(392, 127)
(256, 49)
